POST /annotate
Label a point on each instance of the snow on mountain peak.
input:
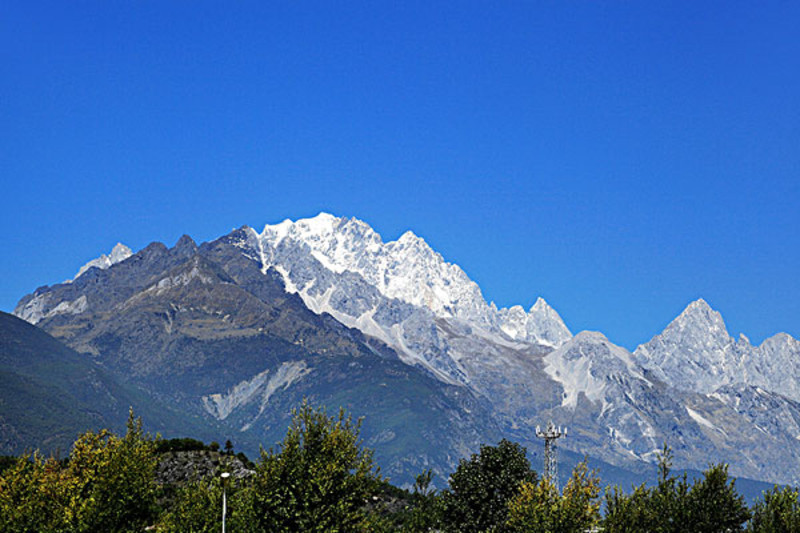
(409, 238)
(696, 353)
(119, 253)
(700, 312)
(406, 269)
(409, 270)
(545, 323)
(700, 322)
(540, 306)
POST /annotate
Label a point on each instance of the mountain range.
(234, 332)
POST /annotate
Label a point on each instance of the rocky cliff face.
(696, 353)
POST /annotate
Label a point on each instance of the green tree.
(318, 480)
(425, 513)
(197, 505)
(664, 508)
(669, 499)
(629, 513)
(198, 509)
(113, 480)
(482, 486)
(34, 496)
(106, 485)
(710, 504)
(539, 506)
(714, 504)
(777, 511)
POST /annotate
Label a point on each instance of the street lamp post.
(224, 476)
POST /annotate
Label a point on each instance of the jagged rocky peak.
(332, 236)
(406, 269)
(185, 247)
(698, 328)
(780, 342)
(119, 253)
(698, 315)
(695, 351)
(775, 365)
(546, 324)
(541, 323)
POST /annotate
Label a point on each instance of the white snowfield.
(410, 271)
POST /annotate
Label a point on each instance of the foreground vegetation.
(320, 478)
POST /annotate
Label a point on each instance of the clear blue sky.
(619, 159)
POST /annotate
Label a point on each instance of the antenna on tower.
(550, 435)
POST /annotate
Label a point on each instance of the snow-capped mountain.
(410, 271)
(208, 332)
(615, 407)
(693, 385)
(541, 324)
(775, 365)
(343, 267)
(36, 309)
(406, 269)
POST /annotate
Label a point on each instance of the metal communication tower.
(550, 435)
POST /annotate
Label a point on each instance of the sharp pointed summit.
(694, 352)
(119, 253)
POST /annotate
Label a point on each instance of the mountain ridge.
(523, 367)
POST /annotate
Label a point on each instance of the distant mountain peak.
(546, 324)
(700, 316)
(539, 303)
(411, 237)
(700, 303)
(694, 352)
(700, 310)
(119, 253)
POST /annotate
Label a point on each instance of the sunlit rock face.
(696, 353)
